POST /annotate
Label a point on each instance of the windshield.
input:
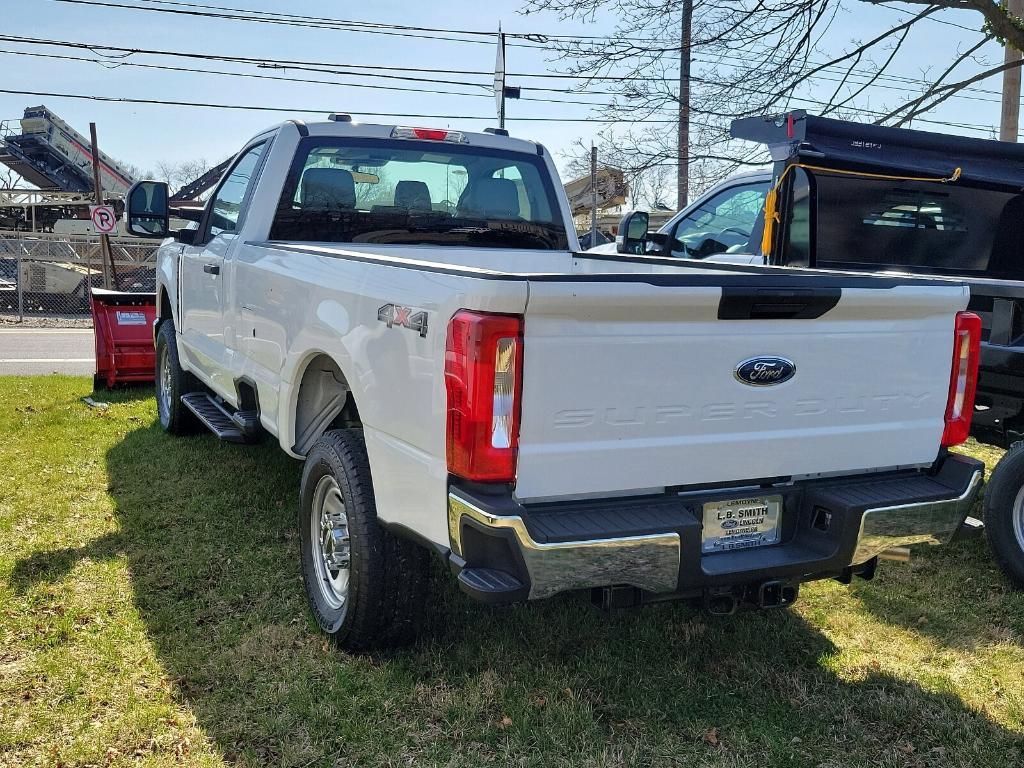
(417, 192)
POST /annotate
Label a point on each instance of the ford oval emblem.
(765, 371)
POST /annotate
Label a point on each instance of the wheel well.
(324, 401)
(164, 305)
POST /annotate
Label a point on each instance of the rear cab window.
(399, 192)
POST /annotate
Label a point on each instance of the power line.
(532, 36)
(357, 69)
(193, 70)
(360, 70)
(304, 110)
(241, 14)
(339, 26)
(258, 61)
(299, 65)
(352, 25)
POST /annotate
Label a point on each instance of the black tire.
(387, 577)
(172, 383)
(1005, 484)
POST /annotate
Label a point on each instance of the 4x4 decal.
(404, 317)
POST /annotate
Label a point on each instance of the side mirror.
(632, 237)
(146, 210)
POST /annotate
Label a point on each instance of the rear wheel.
(366, 587)
(1004, 514)
(171, 383)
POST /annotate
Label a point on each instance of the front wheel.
(172, 381)
(367, 588)
(1004, 514)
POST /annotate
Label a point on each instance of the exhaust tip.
(896, 554)
(723, 604)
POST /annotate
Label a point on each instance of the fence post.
(21, 294)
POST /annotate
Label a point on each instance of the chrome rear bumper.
(502, 550)
(648, 562)
(900, 525)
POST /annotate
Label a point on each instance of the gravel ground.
(50, 321)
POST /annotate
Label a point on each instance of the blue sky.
(144, 134)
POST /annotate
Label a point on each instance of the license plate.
(741, 523)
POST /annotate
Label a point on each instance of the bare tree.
(178, 174)
(137, 173)
(9, 179)
(752, 57)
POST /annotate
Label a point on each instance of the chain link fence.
(49, 276)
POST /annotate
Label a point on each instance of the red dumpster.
(123, 327)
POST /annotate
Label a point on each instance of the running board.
(226, 424)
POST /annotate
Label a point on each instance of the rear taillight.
(963, 378)
(483, 374)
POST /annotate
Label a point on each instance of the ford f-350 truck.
(406, 310)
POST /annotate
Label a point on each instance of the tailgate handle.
(776, 303)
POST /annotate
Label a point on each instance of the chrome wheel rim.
(164, 386)
(330, 539)
(1018, 518)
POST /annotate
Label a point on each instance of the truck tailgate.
(631, 386)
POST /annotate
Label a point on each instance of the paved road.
(29, 351)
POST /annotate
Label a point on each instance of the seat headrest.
(327, 189)
(414, 195)
(491, 198)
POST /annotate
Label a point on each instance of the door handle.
(211, 269)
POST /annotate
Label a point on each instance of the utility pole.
(1009, 123)
(593, 195)
(109, 272)
(500, 68)
(502, 91)
(683, 176)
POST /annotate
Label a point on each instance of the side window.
(226, 207)
(796, 243)
(723, 223)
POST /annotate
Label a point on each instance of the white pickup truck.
(405, 309)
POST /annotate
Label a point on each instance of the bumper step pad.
(484, 583)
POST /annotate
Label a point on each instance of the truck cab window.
(719, 225)
(226, 207)
(404, 192)
(796, 236)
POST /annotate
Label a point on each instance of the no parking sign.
(103, 219)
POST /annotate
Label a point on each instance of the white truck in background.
(406, 310)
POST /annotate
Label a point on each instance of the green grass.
(151, 613)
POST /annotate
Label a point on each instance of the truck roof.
(346, 125)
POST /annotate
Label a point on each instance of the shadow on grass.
(954, 595)
(123, 393)
(209, 533)
(54, 565)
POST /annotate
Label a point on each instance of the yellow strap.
(771, 214)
